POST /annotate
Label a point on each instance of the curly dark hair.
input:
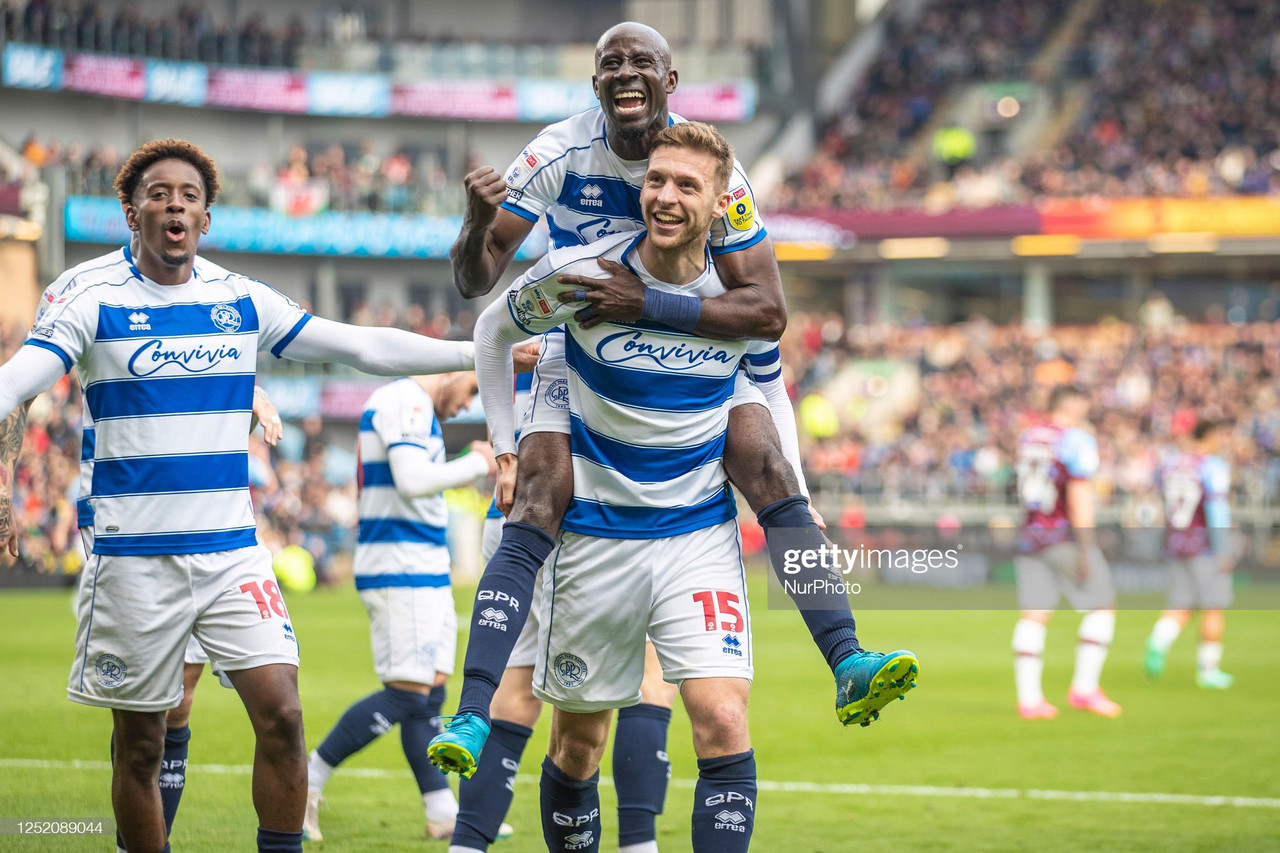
(166, 149)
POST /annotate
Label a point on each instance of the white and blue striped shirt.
(649, 405)
(168, 376)
(569, 173)
(401, 540)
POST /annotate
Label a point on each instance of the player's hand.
(485, 449)
(817, 517)
(525, 357)
(504, 493)
(264, 413)
(620, 297)
(486, 191)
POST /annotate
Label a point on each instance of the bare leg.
(135, 778)
(270, 696)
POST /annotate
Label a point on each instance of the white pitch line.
(764, 785)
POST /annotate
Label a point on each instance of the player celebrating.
(584, 175)
(402, 573)
(1056, 462)
(1195, 485)
(167, 355)
(649, 544)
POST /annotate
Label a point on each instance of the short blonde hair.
(698, 136)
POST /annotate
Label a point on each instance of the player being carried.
(584, 175)
(167, 354)
(1195, 485)
(1056, 463)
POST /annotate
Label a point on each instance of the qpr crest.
(111, 670)
(570, 670)
(226, 317)
(557, 395)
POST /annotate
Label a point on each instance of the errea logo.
(731, 820)
(138, 322)
(591, 196)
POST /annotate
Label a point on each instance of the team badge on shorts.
(111, 670)
(570, 670)
(226, 317)
(557, 395)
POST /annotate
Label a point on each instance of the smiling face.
(680, 197)
(168, 213)
(632, 80)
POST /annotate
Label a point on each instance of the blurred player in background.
(167, 354)
(1195, 485)
(1056, 463)
(402, 574)
(584, 175)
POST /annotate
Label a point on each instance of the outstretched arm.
(489, 237)
(416, 476)
(496, 334)
(377, 350)
(784, 420)
(753, 307)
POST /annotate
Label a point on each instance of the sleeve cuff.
(56, 350)
(293, 333)
(738, 247)
(519, 211)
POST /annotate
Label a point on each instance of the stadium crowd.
(1183, 103)
(943, 425)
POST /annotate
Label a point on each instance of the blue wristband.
(671, 309)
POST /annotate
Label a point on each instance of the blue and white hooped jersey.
(569, 173)
(401, 541)
(168, 375)
(649, 405)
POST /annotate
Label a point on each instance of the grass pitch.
(951, 768)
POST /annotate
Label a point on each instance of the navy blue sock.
(640, 770)
(173, 772)
(417, 728)
(501, 608)
(485, 798)
(570, 810)
(724, 803)
(275, 841)
(827, 615)
(371, 717)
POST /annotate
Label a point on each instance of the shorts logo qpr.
(570, 670)
(111, 670)
(678, 356)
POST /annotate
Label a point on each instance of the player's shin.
(724, 803)
(502, 604)
(173, 772)
(485, 798)
(570, 810)
(372, 716)
(788, 526)
(640, 771)
(417, 727)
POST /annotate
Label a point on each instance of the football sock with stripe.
(417, 728)
(640, 770)
(788, 526)
(485, 798)
(276, 841)
(724, 803)
(502, 605)
(1093, 641)
(371, 717)
(1028, 662)
(570, 810)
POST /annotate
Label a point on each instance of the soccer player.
(649, 544)
(584, 176)
(1056, 462)
(167, 355)
(1195, 485)
(402, 573)
(177, 737)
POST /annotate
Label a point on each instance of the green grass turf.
(959, 729)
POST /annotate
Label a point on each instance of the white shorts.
(548, 409)
(525, 652)
(688, 593)
(414, 632)
(1048, 574)
(137, 613)
(1197, 583)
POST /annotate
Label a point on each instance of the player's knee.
(719, 728)
(577, 750)
(139, 755)
(281, 727)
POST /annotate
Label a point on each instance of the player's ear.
(595, 86)
(208, 219)
(673, 79)
(722, 204)
(131, 216)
